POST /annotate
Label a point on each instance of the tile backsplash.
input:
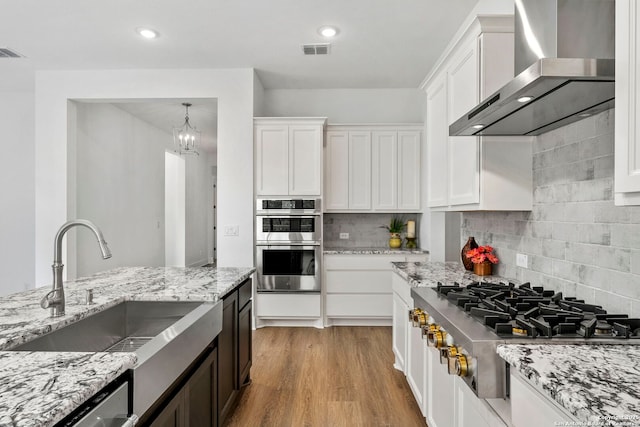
(576, 240)
(363, 228)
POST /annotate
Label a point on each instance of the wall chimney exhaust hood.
(565, 70)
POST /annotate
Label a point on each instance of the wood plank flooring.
(338, 376)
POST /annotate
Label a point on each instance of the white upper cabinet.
(372, 168)
(627, 125)
(385, 169)
(437, 136)
(359, 170)
(288, 156)
(336, 176)
(409, 177)
(466, 172)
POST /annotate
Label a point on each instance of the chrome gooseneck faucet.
(54, 299)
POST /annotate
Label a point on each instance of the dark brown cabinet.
(227, 346)
(208, 391)
(234, 346)
(195, 404)
(200, 393)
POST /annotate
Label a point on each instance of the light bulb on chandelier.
(185, 137)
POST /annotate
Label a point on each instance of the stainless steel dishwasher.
(110, 407)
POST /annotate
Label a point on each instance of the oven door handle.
(262, 243)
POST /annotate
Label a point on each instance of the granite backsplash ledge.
(363, 228)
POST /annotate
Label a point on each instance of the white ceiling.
(381, 44)
(165, 114)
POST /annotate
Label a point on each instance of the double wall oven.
(288, 245)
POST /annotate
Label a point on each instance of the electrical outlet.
(231, 230)
(522, 260)
(344, 235)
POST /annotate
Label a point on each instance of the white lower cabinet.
(529, 408)
(441, 405)
(402, 303)
(444, 400)
(358, 288)
(417, 365)
(293, 309)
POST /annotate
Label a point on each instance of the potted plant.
(483, 259)
(395, 227)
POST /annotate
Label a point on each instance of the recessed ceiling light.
(524, 99)
(328, 31)
(147, 33)
(477, 126)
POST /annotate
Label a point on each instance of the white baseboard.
(358, 322)
(289, 323)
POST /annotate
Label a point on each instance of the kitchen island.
(41, 388)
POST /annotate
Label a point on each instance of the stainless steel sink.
(166, 337)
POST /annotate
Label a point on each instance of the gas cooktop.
(473, 320)
(531, 311)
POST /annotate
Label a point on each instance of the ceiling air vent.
(8, 53)
(316, 49)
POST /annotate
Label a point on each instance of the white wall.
(174, 209)
(119, 185)
(17, 220)
(347, 105)
(234, 90)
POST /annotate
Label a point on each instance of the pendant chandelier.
(186, 137)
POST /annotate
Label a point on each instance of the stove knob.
(412, 314)
(446, 354)
(438, 339)
(452, 355)
(426, 329)
(461, 366)
(433, 328)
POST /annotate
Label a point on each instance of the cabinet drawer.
(358, 305)
(361, 262)
(288, 305)
(365, 282)
(244, 294)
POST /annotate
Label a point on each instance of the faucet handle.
(48, 300)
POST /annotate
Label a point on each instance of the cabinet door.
(227, 356)
(463, 161)
(627, 125)
(385, 169)
(200, 393)
(360, 170)
(244, 343)
(463, 81)
(441, 402)
(305, 160)
(474, 412)
(437, 136)
(399, 331)
(416, 365)
(272, 159)
(336, 166)
(173, 413)
(409, 170)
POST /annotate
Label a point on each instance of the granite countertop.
(34, 390)
(372, 251)
(598, 384)
(428, 274)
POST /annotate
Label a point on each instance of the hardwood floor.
(339, 376)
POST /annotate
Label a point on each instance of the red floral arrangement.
(482, 254)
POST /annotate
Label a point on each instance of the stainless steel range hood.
(565, 70)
